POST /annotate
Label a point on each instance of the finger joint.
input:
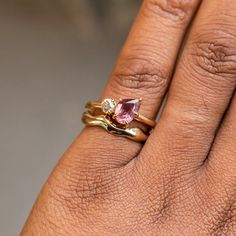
(140, 75)
(175, 10)
(214, 56)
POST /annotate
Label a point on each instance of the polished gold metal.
(92, 106)
(135, 134)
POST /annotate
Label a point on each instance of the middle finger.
(202, 87)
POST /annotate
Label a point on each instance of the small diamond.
(108, 105)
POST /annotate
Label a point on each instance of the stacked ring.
(116, 117)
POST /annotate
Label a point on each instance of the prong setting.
(136, 114)
(108, 106)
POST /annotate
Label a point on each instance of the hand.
(182, 181)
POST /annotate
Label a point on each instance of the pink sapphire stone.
(126, 110)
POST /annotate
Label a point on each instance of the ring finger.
(146, 63)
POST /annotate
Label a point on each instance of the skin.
(182, 181)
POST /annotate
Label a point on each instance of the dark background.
(55, 55)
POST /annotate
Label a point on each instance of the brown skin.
(182, 181)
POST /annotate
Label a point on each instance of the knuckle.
(224, 220)
(159, 210)
(84, 191)
(140, 74)
(214, 55)
(160, 201)
(219, 207)
(158, 206)
(177, 10)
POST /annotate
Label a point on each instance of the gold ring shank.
(135, 134)
(140, 118)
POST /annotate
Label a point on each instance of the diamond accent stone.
(126, 110)
(108, 105)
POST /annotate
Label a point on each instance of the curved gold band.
(135, 134)
(140, 118)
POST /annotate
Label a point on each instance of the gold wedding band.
(135, 134)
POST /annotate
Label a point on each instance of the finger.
(146, 62)
(202, 87)
(219, 177)
(221, 163)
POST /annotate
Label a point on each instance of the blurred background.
(55, 55)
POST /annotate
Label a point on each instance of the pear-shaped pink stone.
(126, 110)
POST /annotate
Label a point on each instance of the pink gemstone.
(126, 110)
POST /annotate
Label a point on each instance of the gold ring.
(135, 134)
(122, 112)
